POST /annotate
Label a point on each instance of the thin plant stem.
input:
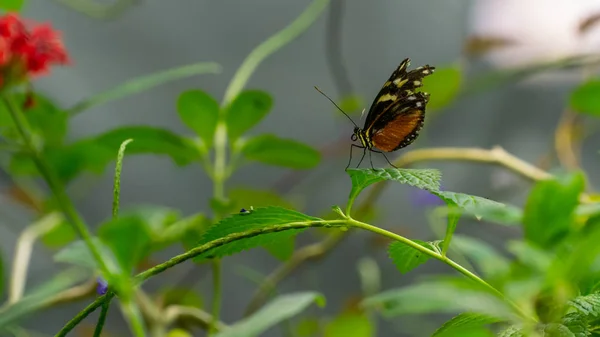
(64, 202)
(217, 292)
(117, 183)
(101, 319)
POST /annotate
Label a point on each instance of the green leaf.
(588, 305)
(350, 324)
(156, 218)
(246, 110)
(350, 104)
(464, 202)
(200, 112)
(464, 322)
(144, 83)
(307, 327)
(128, 237)
(443, 86)
(451, 295)
(180, 296)
(12, 5)
(426, 179)
(60, 235)
(245, 197)
(586, 98)
(259, 218)
(46, 119)
(78, 254)
(272, 150)
(577, 324)
(274, 312)
(151, 140)
(407, 258)
(490, 262)
(179, 231)
(512, 331)
(39, 297)
(550, 208)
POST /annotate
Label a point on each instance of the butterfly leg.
(386, 158)
(363, 156)
(371, 159)
(350, 160)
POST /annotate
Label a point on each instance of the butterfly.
(396, 115)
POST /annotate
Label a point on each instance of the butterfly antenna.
(345, 114)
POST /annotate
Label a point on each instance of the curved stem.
(216, 304)
(64, 202)
(441, 258)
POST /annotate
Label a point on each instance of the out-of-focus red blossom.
(27, 49)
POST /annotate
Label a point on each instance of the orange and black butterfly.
(396, 114)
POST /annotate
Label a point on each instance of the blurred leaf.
(472, 204)
(586, 98)
(151, 140)
(428, 179)
(246, 197)
(1, 274)
(200, 112)
(180, 230)
(128, 237)
(407, 258)
(246, 110)
(282, 249)
(530, 255)
(259, 218)
(78, 254)
(350, 104)
(450, 295)
(486, 258)
(12, 5)
(443, 86)
(350, 324)
(307, 327)
(178, 333)
(198, 225)
(59, 235)
(550, 208)
(180, 296)
(144, 83)
(38, 297)
(274, 312)
(462, 323)
(272, 150)
(45, 118)
(156, 218)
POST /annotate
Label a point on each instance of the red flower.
(27, 52)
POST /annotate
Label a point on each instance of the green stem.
(220, 167)
(441, 258)
(117, 184)
(143, 276)
(53, 182)
(216, 304)
(101, 319)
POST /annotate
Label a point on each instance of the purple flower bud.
(102, 286)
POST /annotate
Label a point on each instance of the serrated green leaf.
(350, 324)
(144, 83)
(443, 86)
(486, 258)
(586, 98)
(12, 5)
(272, 150)
(128, 237)
(577, 324)
(151, 140)
(440, 296)
(407, 258)
(259, 218)
(274, 312)
(427, 179)
(556, 330)
(512, 331)
(246, 110)
(38, 297)
(200, 112)
(550, 209)
(464, 322)
(588, 305)
(245, 197)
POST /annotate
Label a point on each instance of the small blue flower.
(102, 286)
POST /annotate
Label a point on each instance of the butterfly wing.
(398, 112)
